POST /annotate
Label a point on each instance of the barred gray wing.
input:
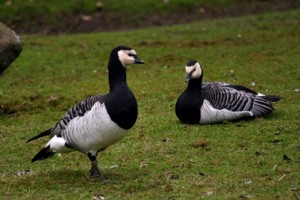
(224, 97)
(77, 110)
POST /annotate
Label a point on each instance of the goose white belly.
(211, 115)
(92, 132)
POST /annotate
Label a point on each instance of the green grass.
(56, 16)
(20, 8)
(160, 158)
(49, 11)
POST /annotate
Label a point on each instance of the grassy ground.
(56, 16)
(160, 158)
(52, 13)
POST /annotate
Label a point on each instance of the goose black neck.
(116, 73)
(195, 83)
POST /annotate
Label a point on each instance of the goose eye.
(131, 54)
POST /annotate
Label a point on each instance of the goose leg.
(95, 172)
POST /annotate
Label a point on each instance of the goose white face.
(127, 57)
(193, 72)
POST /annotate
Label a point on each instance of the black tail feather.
(45, 133)
(272, 98)
(43, 154)
(242, 88)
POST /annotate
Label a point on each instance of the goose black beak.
(137, 60)
(188, 77)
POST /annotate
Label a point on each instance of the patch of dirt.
(78, 22)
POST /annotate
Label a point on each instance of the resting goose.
(97, 122)
(215, 102)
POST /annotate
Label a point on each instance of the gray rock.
(10, 46)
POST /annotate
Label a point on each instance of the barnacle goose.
(215, 102)
(97, 122)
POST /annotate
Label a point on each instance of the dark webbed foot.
(95, 172)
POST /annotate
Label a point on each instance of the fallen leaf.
(200, 143)
(52, 99)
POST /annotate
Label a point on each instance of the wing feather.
(236, 98)
(76, 111)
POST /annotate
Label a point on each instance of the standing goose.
(216, 102)
(97, 122)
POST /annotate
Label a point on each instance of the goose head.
(193, 70)
(127, 56)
